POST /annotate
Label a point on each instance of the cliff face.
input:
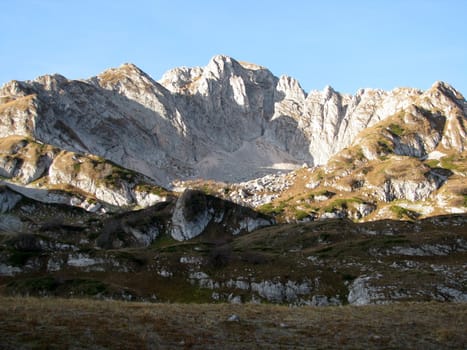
(227, 121)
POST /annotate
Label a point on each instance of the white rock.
(452, 294)
(226, 121)
(279, 292)
(8, 270)
(82, 260)
(362, 293)
(184, 227)
(323, 300)
(165, 273)
(191, 260)
(233, 318)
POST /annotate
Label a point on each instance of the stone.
(362, 293)
(233, 318)
(10, 223)
(280, 292)
(9, 270)
(191, 215)
(196, 212)
(323, 300)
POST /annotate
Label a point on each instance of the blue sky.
(342, 43)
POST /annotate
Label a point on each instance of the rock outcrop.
(196, 213)
(47, 174)
(8, 199)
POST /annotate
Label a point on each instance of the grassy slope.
(341, 251)
(58, 324)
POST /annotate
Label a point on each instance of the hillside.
(136, 256)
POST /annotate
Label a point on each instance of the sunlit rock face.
(229, 121)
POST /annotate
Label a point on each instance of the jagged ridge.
(227, 121)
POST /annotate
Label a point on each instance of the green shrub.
(396, 129)
(359, 154)
(402, 212)
(300, 214)
(20, 258)
(270, 209)
(144, 187)
(85, 287)
(348, 277)
(384, 146)
(432, 163)
(455, 163)
(76, 167)
(341, 203)
(36, 285)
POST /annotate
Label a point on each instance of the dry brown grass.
(10, 143)
(64, 324)
(398, 167)
(21, 103)
(114, 76)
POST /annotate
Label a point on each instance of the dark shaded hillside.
(327, 262)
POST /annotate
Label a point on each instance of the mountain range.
(92, 174)
(228, 121)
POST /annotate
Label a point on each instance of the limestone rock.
(233, 318)
(196, 213)
(191, 216)
(8, 199)
(362, 293)
(228, 121)
(10, 223)
(278, 292)
(69, 177)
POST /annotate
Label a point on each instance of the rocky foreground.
(323, 263)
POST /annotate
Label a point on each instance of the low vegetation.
(455, 162)
(403, 213)
(340, 204)
(60, 324)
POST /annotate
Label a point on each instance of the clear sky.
(343, 43)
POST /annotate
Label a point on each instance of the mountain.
(409, 165)
(111, 141)
(123, 187)
(229, 121)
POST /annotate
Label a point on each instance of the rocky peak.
(329, 92)
(180, 80)
(12, 90)
(51, 82)
(126, 77)
(126, 70)
(448, 90)
(204, 122)
(220, 66)
(291, 89)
